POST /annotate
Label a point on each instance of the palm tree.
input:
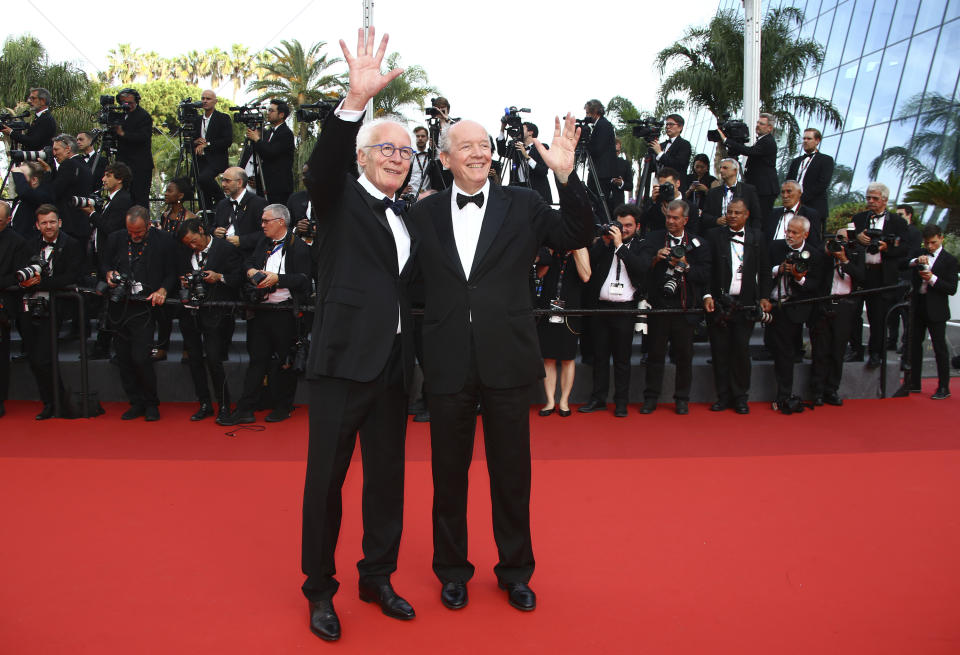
(240, 66)
(941, 194)
(620, 110)
(411, 88)
(709, 70)
(216, 64)
(122, 64)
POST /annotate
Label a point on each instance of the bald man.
(216, 135)
(236, 217)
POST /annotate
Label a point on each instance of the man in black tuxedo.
(714, 211)
(675, 151)
(216, 136)
(622, 184)
(796, 276)
(761, 168)
(62, 260)
(96, 162)
(688, 276)
(739, 277)
(275, 151)
(655, 211)
(70, 180)
(934, 281)
(477, 245)
(532, 167)
(814, 171)
(602, 149)
(134, 135)
(112, 216)
(39, 134)
(33, 190)
(775, 227)
(146, 258)
(219, 265)
(12, 257)
(236, 217)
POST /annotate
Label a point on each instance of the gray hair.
(279, 211)
(69, 141)
(43, 94)
(793, 184)
(679, 204)
(365, 135)
(802, 220)
(881, 187)
(770, 118)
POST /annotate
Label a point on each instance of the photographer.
(278, 272)
(622, 184)
(12, 257)
(33, 190)
(532, 166)
(39, 134)
(209, 271)
(843, 272)
(602, 147)
(700, 182)
(665, 191)
(679, 273)
(419, 167)
(133, 144)
(56, 260)
(137, 264)
(740, 276)
(96, 164)
(714, 210)
(761, 168)
(275, 150)
(216, 136)
(796, 277)
(813, 170)
(616, 282)
(775, 227)
(111, 216)
(675, 151)
(70, 180)
(236, 217)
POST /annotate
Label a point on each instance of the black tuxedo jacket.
(249, 213)
(39, 134)
(67, 262)
(854, 268)
(677, 158)
(27, 201)
(603, 149)
(133, 148)
(938, 295)
(713, 206)
(13, 255)
(111, 218)
(219, 138)
(757, 280)
(761, 168)
(96, 172)
(816, 223)
(297, 204)
(816, 181)
(490, 311)
(696, 279)
(72, 178)
(224, 258)
(601, 259)
(894, 255)
(157, 267)
(296, 276)
(811, 286)
(276, 156)
(625, 173)
(359, 284)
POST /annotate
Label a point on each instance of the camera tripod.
(517, 165)
(588, 172)
(647, 169)
(257, 163)
(187, 165)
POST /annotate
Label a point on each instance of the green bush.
(841, 215)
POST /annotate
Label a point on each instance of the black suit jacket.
(13, 255)
(625, 173)
(158, 264)
(219, 138)
(761, 168)
(296, 265)
(27, 201)
(67, 262)
(224, 258)
(491, 310)
(854, 268)
(816, 181)
(895, 254)
(816, 224)
(249, 213)
(601, 259)
(937, 297)
(133, 148)
(72, 178)
(713, 206)
(757, 280)
(39, 134)
(677, 158)
(276, 156)
(111, 218)
(603, 149)
(96, 171)
(696, 279)
(811, 286)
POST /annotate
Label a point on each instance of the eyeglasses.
(671, 124)
(264, 221)
(387, 149)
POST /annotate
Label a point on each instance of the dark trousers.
(164, 316)
(830, 331)
(269, 333)
(4, 362)
(339, 410)
(784, 334)
(207, 183)
(140, 186)
(878, 304)
(203, 340)
(766, 207)
(678, 331)
(279, 197)
(35, 333)
(506, 438)
(612, 335)
(133, 325)
(938, 338)
(730, 351)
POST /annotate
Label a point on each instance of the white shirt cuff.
(349, 115)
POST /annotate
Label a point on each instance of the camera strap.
(563, 269)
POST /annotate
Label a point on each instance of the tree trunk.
(953, 221)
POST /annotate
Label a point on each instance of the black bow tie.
(398, 207)
(807, 155)
(736, 234)
(462, 200)
(878, 217)
(277, 242)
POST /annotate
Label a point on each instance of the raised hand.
(560, 158)
(365, 77)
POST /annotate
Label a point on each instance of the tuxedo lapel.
(443, 223)
(493, 218)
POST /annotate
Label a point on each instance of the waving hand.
(365, 77)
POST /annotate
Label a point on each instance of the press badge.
(136, 288)
(616, 288)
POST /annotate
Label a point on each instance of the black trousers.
(766, 208)
(279, 197)
(938, 338)
(207, 183)
(339, 410)
(678, 331)
(269, 333)
(164, 316)
(133, 325)
(4, 362)
(35, 333)
(784, 334)
(140, 186)
(730, 351)
(878, 304)
(830, 332)
(203, 340)
(506, 438)
(612, 335)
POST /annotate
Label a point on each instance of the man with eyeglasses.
(674, 152)
(236, 217)
(39, 134)
(275, 150)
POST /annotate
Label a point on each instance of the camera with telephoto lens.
(251, 116)
(734, 128)
(666, 192)
(877, 237)
(512, 123)
(21, 156)
(37, 266)
(648, 129)
(13, 121)
(118, 293)
(800, 260)
(254, 294)
(194, 289)
(314, 112)
(837, 243)
(96, 202)
(189, 118)
(604, 229)
(675, 273)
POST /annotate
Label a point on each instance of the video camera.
(317, 111)
(877, 237)
(110, 113)
(648, 129)
(189, 118)
(13, 121)
(251, 116)
(512, 123)
(21, 156)
(734, 128)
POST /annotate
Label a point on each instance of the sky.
(549, 56)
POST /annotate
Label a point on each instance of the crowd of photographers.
(688, 243)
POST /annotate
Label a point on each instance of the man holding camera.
(237, 217)
(138, 270)
(216, 136)
(813, 170)
(12, 257)
(665, 191)
(719, 198)
(740, 277)
(33, 190)
(761, 168)
(39, 134)
(602, 148)
(526, 164)
(616, 283)
(675, 151)
(134, 134)
(96, 162)
(679, 272)
(210, 270)
(275, 151)
(622, 184)
(56, 260)
(420, 166)
(111, 216)
(70, 180)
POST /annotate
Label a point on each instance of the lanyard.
(563, 269)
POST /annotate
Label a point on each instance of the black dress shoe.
(592, 406)
(682, 407)
(422, 417)
(206, 409)
(563, 412)
(832, 398)
(853, 356)
(649, 406)
(520, 595)
(941, 393)
(741, 407)
(151, 413)
(324, 621)
(546, 412)
(719, 406)
(135, 411)
(454, 595)
(223, 415)
(620, 411)
(45, 413)
(19, 357)
(278, 415)
(238, 417)
(390, 603)
(874, 361)
(818, 400)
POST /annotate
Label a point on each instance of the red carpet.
(836, 531)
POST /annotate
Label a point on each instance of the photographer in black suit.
(675, 151)
(96, 162)
(12, 257)
(275, 150)
(134, 135)
(39, 134)
(775, 227)
(57, 260)
(813, 170)
(534, 166)
(138, 262)
(236, 217)
(714, 210)
(761, 168)
(70, 180)
(30, 179)
(740, 276)
(665, 191)
(211, 267)
(216, 136)
(602, 148)
(622, 184)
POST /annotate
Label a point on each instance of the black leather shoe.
(546, 412)
(135, 411)
(454, 595)
(520, 595)
(941, 393)
(874, 361)
(592, 406)
(390, 603)
(620, 411)
(853, 356)
(45, 413)
(422, 417)
(818, 401)
(649, 406)
(682, 407)
(564, 412)
(719, 406)
(324, 621)
(223, 415)
(151, 413)
(277, 415)
(206, 409)
(832, 398)
(238, 417)
(741, 407)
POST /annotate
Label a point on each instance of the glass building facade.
(882, 60)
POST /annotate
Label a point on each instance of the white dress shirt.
(467, 223)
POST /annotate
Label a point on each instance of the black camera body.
(118, 293)
(251, 116)
(21, 156)
(675, 273)
(734, 128)
(800, 259)
(194, 290)
(648, 129)
(189, 118)
(667, 192)
(37, 265)
(317, 111)
(877, 237)
(512, 122)
(13, 121)
(252, 293)
(605, 227)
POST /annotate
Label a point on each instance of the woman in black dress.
(563, 275)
